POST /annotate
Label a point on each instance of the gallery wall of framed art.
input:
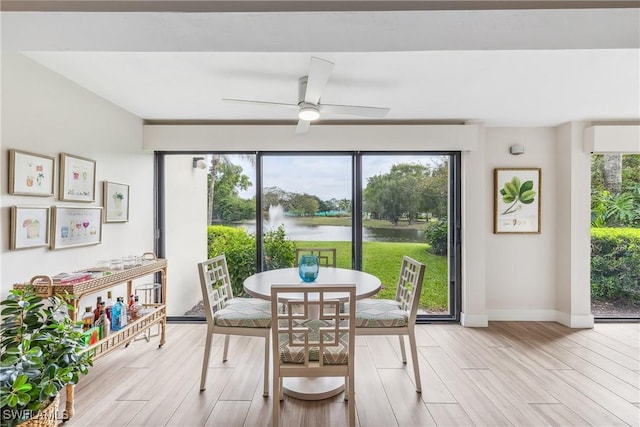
(61, 226)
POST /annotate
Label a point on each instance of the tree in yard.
(435, 191)
(225, 181)
(344, 205)
(615, 191)
(397, 193)
(612, 172)
(303, 204)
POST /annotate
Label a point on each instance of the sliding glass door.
(372, 208)
(407, 210)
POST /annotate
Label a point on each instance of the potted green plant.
(42, 352)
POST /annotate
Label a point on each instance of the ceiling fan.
(309, 91)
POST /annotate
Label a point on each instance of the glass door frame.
(455, 212)
(455, 216)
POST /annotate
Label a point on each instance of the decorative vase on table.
(308, 268)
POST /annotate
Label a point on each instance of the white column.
(573, 216)
(476, 222)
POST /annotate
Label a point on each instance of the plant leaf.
(516, 183)
(528, 196)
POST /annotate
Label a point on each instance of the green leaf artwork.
(515, 192)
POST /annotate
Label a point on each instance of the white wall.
(520, 268)
(185, 231)
(45, 113)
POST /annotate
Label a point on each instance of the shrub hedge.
(239, 248)
(615, 264)
(436, 233)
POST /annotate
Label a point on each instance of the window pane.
(306, 199)
(405, 204)
(615, 252)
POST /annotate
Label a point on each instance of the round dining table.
(259, 286)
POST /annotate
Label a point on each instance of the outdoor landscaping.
(615, 235)
(382, 259)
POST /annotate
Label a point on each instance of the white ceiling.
(499, 67)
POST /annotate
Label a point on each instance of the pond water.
(331, 233)
(342, 233)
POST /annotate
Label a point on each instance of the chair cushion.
(332, 355)
(380, 313)
(245, 313)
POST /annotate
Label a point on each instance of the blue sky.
(324, 176)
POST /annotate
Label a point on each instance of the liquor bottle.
(118, 315)
(103, 322)
(130, 313)
(109, 305)
(138, 307)
(96, 312)
(87, 319)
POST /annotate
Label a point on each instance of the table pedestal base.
(313, 388)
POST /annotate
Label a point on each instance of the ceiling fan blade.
(303, 126)
(319, 73)
(354, 110)
(265, 103)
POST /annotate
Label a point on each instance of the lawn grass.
(383, 260)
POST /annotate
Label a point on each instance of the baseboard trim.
(474, 320)
(510, 315)
(523, 315)
(575, 321)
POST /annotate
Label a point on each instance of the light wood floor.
(510, 374)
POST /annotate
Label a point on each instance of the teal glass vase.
(308, 268)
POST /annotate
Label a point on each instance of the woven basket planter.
(46, 417)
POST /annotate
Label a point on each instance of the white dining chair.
(231, 316)
(313, 338)
(326, 256)
(397, 316)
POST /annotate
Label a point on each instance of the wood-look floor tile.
(372, 404)
(228, 413)
(605, 398)
(591, 411)
(557, 414)
(476, 405)
(449, 415)
(501, 394)
(408, 407)
(510, 373)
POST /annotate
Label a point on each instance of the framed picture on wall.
(75, 226)
(30, 174)
(77, 178)
(517, 200)
(116, 202)
(29, 227)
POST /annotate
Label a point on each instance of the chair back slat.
(326, 256)
(410, 285)
(216, 284)
(313, 328)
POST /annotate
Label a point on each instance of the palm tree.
(612, 173)
(216, 160)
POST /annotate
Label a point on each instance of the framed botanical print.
(517, 200)
(29, 227)
(31, 174)
(77, 178)
(116, 202)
